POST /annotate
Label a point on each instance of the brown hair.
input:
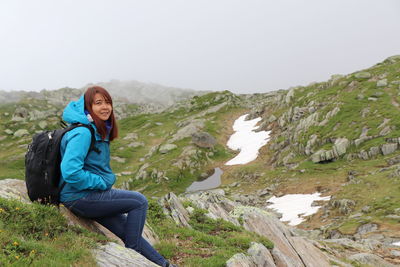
(100, 124)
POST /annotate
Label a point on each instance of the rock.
(118, 159)
(370, 259)
(374, 99)
(306, 123)
(136, 144)
(8, 131)
(258, 255)
(21, 132)
(116, 255)
(374, 151)
(382, 83)
(131, 136)
(329, 115)
(167, 148)
(203, 139)
(366, 209)
(388, 148)
(20, 114)
(42, 124)
(393, 217)
(385, 131)
(393, 161)
(240, 260)
(340, 146)
(367, 228)
(363, 75)
(192, 127)
(173, 207)
(289, 96)
(344, 205)
(37, 115)
(14, 189)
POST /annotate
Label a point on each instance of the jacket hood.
(75, 112)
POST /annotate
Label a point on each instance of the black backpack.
(42, 164)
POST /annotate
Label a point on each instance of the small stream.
(211, 182)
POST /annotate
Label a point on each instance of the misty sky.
(238, 45)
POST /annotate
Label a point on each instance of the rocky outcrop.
(289, 249)
(339, 148)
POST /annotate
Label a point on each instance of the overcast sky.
(238, 45)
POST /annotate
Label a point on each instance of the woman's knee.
(142, 199)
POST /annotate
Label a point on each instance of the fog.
(242, 46)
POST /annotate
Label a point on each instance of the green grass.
(38, 235)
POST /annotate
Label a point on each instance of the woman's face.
(101, 107)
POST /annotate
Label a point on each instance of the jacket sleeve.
(77, 146)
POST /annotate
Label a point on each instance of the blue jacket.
(83, 172)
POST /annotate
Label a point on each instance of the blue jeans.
(122, 212)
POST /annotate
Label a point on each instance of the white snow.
(396, 244)
(246, 140)
(294, 207)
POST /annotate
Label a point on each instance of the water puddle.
(209, 183)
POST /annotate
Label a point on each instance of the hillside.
(340, 138)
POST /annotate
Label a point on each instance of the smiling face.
(101, 107)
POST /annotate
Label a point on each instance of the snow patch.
(396, 244)
(294, 207)
(246, 140)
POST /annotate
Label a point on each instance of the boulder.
(258, 255)
(167, 148)
(20, 114)
(42, 124)
(367, 228)
(112, 254)
(388, 148)
(21, 132)
(173, 207)
(131, 136)
(186, 131)
(8, 131)
(382, 83)
(340, 146)
(203, 139)
(363, 75)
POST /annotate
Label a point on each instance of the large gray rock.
(388, 148)
(363, 75)
(174, 208)
(203, 139)
(258, 255)
(21, 132)
(14, 189)
(20, 114)
(167, 148)
(382, 83)
(188, 130)
(116, 255)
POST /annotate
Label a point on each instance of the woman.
(89, 177)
